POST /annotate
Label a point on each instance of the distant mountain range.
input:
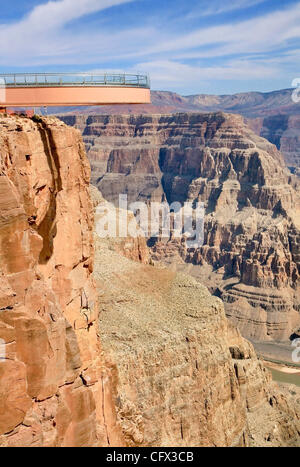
(248, 104)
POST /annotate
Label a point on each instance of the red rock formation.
(272, 115)
(171, 369)
(252, 203)
(185, 376)
(54, 388)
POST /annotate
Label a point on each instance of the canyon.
(102, 346)
(184, 375)
(272, 115)
(250, 255)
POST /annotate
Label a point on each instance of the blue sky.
(199, 46)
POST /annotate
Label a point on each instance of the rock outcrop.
(184, 375)
(272, 115)
(283, 130)
(252, 236)
(54, 387)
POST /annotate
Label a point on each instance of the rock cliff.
(171, 370)
(184, 376)
(251, 250)
(283, 130)
(54, 387)
(272, 115)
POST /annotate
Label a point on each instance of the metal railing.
(74, 79)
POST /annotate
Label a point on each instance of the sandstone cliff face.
(284, 131)
(54, 387)
(184, 376)
(252, 234)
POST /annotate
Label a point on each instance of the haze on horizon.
(205, 46)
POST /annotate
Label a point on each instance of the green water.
(281, 377)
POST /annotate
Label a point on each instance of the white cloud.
(234, 76)
(213, 7)
(167, 71)
(251, 36)
(54, 14)
(41, 33)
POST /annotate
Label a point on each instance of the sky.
(187, 46)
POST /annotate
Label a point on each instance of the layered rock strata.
(54, 387)
(252, 205)
(283, 130)
(171, 369)
(184, 375)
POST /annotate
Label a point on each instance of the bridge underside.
(74, 96)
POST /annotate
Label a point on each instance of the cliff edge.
(54, 388)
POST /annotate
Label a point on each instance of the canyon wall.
(251, 247)
(184, 376)
(170, 369)
(272, 115)
(54, 387)
(283, 130)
